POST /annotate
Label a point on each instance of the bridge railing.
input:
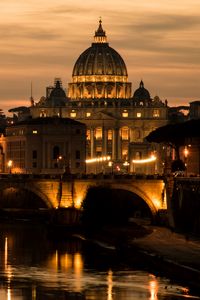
(81, 176)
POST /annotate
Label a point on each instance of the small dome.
(58, 91)
(57, 96)
(141, 94)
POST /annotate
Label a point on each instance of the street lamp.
(110, 164)
(10, 163)
(186, 153)
(126, 165)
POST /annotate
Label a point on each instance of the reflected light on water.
(153, 288)
(6, 252)
(8, 270)
(65, 262)
(110, 285)
(78, 270)
(8, 293)
(33, 292)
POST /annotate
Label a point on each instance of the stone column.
(119, 145)
(92, 142)
(105, 141)
(114, 144)
(48, 155)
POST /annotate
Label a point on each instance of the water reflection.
(110, 285)
(153, 288)
(33, 267)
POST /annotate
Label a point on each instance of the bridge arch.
(138, 192)
(152, 192)
(30, 188)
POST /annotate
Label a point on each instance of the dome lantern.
(100, 34)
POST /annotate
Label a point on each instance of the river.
(34, 266)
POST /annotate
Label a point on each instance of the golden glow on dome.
(99, 72)
(101, 78)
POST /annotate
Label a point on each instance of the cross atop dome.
(100, 34)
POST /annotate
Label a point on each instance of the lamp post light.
(98, 162)
(110, 164)
(126, 165)
(186, 153)
(10, 164)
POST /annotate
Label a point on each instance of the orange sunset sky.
(158, 40)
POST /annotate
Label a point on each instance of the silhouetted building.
(44, 145)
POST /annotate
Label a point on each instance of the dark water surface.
(35, 266)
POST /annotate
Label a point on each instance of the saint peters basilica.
(117, 120)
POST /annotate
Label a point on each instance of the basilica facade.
(117, 120)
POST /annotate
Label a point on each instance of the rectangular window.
(88, 135)
(34, 131)
(78, 154)
(34, 154)
(98, 133)
(109, 135)
(99, 149)
(139, 114)
(88, 114)
(34, 164)
(73, 114)
(125, 133)
(125, 114)
(156, 113)
(78, 165)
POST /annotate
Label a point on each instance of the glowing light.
(110, 163)
(126, 163)
(186, 152)
(97, 159)
(144, 161)
(110, 285)
(118, 168)
(78, 202)
(157, 203)
(10, 163)
(153, 287)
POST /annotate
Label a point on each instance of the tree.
(175, 136)
(170, 134)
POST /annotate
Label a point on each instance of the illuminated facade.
(100, 96)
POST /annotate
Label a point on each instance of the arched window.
(56, 152)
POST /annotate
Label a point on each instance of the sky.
(40, 40)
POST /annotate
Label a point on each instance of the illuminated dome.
(100, 71)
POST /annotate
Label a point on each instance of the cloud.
(165, 23)
(17, 31)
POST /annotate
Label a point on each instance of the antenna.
(31, 98)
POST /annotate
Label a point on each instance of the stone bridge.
(68, 191)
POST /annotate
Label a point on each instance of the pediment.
(102, 115)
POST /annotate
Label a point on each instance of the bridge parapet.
(70, 191)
